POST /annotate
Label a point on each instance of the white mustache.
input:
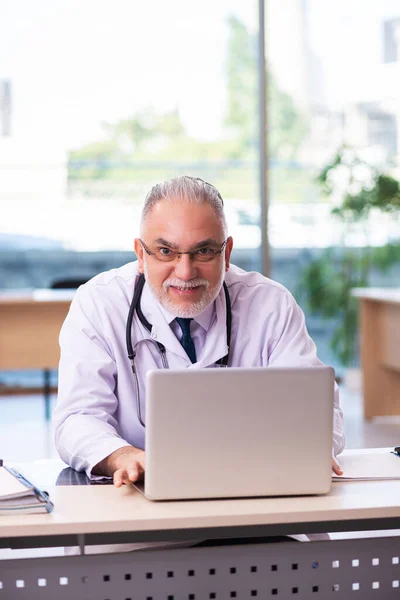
(186, 285)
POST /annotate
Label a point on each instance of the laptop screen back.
(213, 433)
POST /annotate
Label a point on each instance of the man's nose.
(185, 268)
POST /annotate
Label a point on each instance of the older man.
(182, 276)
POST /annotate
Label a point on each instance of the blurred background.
(100, 100)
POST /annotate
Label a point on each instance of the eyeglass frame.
(190, 252)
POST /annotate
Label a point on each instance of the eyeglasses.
(202, 254)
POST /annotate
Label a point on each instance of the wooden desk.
(104, 514)
(30, 323)
(380, 350)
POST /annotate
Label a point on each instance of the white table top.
(103, 508)
(391, 295)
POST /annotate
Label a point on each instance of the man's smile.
(186, 291)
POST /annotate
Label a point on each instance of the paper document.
(11, 487)
(368, 464)
(17, 494)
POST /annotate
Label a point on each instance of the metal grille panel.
(362, 568)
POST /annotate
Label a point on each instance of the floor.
(25, 433)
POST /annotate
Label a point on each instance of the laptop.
(238, 432)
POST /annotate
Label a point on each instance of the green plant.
(360, 191)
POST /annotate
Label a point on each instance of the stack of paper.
(18, 495)
(368, 464)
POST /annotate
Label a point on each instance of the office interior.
(88, 131)
(291, 108)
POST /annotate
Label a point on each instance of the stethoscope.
(135, 306)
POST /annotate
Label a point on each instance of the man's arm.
(125, 465)
(86, 429)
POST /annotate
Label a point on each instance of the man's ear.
(228, 252)
(139, 253)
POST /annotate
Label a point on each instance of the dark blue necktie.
(186, 340)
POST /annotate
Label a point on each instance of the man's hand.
(124, 465)
(336, 467)
(129, 466)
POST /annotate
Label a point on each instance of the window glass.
(100, 101)
(333, 81)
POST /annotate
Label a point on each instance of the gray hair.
(187, 189)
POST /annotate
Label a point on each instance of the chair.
(68, 283)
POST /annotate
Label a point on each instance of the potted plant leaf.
(361, 193)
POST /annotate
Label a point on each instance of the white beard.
(187, 311)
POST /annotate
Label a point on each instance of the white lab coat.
(96, 411)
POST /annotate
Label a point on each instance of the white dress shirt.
(96, 411)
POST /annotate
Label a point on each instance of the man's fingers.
(131, 466)
(141, 460)
(127, 476)
(118, 481)
(133, 474)
(122, 476)
(336, 467)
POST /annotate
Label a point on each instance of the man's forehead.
(178, 215)
(180, 205)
